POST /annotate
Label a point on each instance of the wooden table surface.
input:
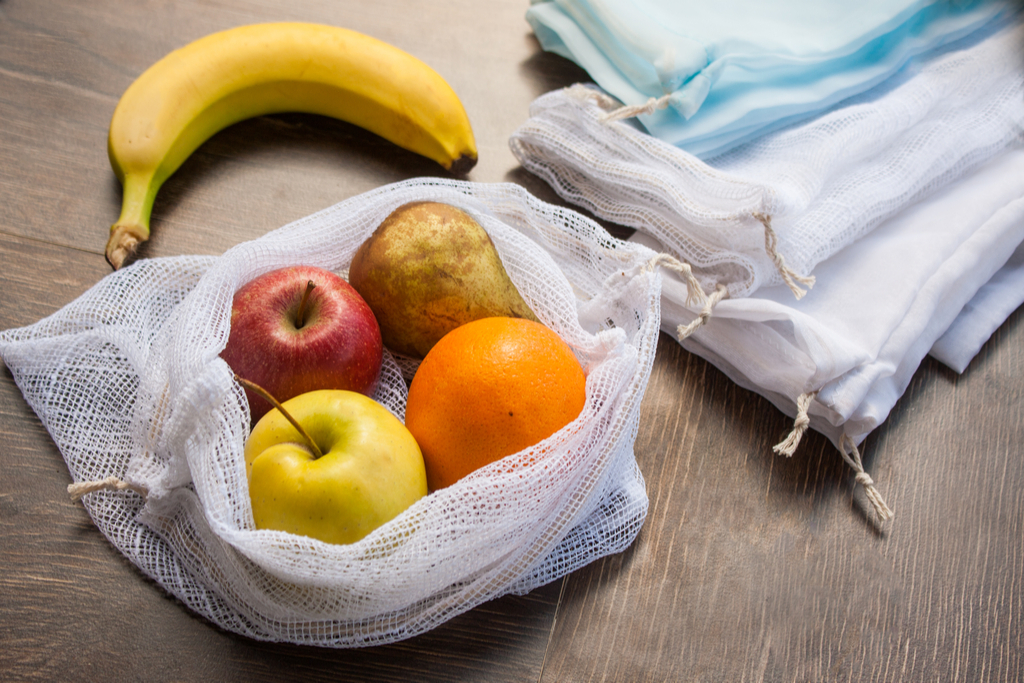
(750, 567)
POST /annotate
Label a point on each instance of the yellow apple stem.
(273, 401)
(300, 317)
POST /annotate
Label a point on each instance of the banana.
(226, 77)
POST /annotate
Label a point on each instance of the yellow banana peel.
(226, 77)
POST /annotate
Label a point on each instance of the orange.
(490, 388)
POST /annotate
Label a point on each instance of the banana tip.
(462, 165)
(121, 246)
(118, 255)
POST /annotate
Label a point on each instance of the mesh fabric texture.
(128, 381)
(824, 183)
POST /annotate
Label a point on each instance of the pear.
(428, 268)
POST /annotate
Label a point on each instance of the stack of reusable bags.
(845, 181)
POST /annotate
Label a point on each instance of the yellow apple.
(370, 471)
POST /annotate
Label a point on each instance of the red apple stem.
(273, 401)
(300, 317)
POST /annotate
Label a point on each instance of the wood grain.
(63, 67)
(750, 566)
(753, 567)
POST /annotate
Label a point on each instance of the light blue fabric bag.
(731, 70)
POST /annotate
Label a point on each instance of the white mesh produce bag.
(771, 210)
(128, 382)
(897, 206)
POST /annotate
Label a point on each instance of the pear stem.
(300, 317)
(273, 401)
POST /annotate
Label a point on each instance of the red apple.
(301, 329)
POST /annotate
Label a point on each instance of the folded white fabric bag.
(128, 381)
(801, 206)
(728, 71)
(990, 307)
(844, 354)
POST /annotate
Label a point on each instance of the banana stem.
(132, 227)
